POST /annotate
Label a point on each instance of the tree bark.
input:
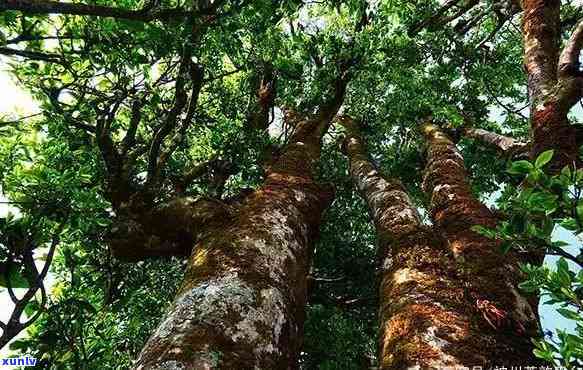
(506, 145)
(554, 81)
(505, 321)
(56, 7)
(421, 313)
(170, 229)
(241, 303)
(430, 316)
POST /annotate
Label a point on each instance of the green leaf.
(489, 233)
(559, 244)
(543, 201)
(529, 286)
(579, 210)
(563, 272)
(520, 168)
(544, 354)
(517, 223)
(66, 357)
(566, 171)
(31, 308)
(571, 315)
(19, 344)
(16, 278)
(505, 246)
(544, 158)
(569, 223)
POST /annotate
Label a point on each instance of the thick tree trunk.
(241, 304)
(505, 320)
(242, 301)
(430, 315)
(554, 82)
(423, 321)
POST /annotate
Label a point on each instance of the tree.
(242, 300)
(192, 142)
(437, 310)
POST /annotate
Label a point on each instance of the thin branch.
(180, 98)
(222, 75)
(563, 253)
(56, 7)
(130, 137)
(196, 75)
(463, 10)
(24, 38)
(18, 120)
(13, 326)
(501, 22)
(433, 19)
(33, 55)
(510, 110)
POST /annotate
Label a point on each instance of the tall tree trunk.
(422, 318)
(429, 315)
(241, 304)
(554, 81)
(507, 320)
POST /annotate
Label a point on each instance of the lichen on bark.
(241, 303)
(440, 285)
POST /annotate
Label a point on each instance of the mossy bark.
(418, 296)
(241, 304)
(554, 83)
(504, 321)
(430, 315)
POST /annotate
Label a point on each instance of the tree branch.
(506, 145)
(33, 55)
(196, 76)
(13, 326)
(541, 33)
(169, 123)
(263, 98)
(171, 229)
(418, 27)
(569, 59)
(56, 7)
(130, 137)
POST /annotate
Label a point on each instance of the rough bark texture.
(553, 86)
(241, 304)
(431, 313)
(167, 230)
(506, 145)
(421, 315)
(504, 319)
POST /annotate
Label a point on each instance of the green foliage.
(536, 209)
(52, 168)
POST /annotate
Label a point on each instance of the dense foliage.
(91, 75)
